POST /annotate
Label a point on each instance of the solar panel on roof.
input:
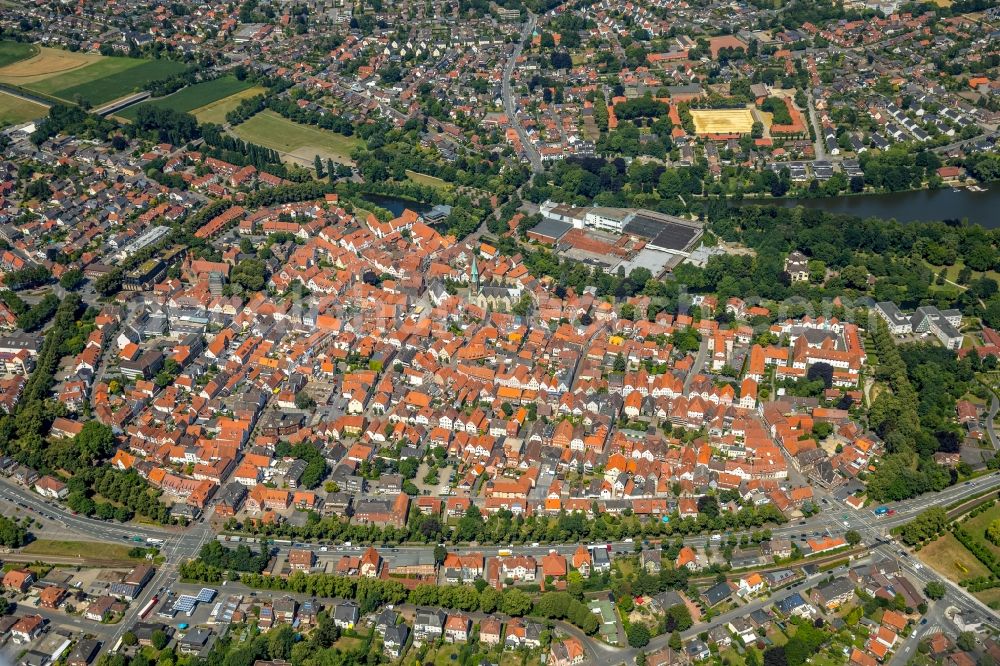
(184, 603)
(205, 595)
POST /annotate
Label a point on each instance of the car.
(967, 483)
(323, 549)
(628, 540)
(892, 512)
(534, 545)
(923, 621)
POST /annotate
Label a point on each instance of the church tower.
(475, 275)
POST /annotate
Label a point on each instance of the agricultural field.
(722, 121)
(94, 78)
(11, 52)
(46, 63)
(215, 112)
(14, 110)
(951, 559)
(192, 97)
(297, 143)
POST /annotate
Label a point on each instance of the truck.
(881, 511)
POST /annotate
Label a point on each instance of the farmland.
(11, 52)
(192, 97)
(722, 121)
(215, 112)
(46, 63)
(298, 143)
(93, 78)
(14, 110)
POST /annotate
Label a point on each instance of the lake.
(920, 205)
(396, 205)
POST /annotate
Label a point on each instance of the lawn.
(440, 657)
(192, 97)
(107, 79)
(424, 179)
(299, 143)
(11, 52)
(951, 559)
(89, 549)
(348, 643)
(14, 110)
(217, 110)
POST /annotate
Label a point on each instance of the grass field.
(298, 143)
(14, 110)
(424, 179)
(977, 527)
(722, 121)
(103, 80)
(952, 271)
(192, 97)
(990, 597)
(951, 559)
(216, 111)
(11, 52)
(85, 549)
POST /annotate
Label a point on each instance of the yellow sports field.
(722, 121)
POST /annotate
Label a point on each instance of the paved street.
(510, 107)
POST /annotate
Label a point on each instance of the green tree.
(638, 635)
(935, 590)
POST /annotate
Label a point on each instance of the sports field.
(14, 110)
(192, 97)
(297, 143)
(14, 51)
(97, 79)
(215, 112)
(722, 121)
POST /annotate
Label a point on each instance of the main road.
(833, 517)
(510, 106)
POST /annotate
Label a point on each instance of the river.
(396, 205)
(981, 208)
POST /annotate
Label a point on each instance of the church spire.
(475, 274)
